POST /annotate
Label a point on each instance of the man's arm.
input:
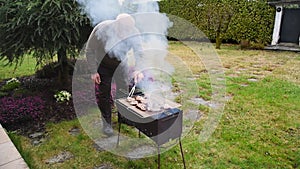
(91, 52)
(91, 55)
(95, 50)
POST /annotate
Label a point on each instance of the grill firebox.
(161, 126)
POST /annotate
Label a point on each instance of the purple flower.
(20, 109)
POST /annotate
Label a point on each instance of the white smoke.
(136, 6)
(100, 10)
(151, 24)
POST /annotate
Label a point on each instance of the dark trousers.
(108, 70)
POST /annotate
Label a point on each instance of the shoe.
(107, 130)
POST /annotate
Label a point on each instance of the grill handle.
(170, 113)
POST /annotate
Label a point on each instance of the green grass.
(258, 122)
(260, 127)
(26, 68)
(25, 153)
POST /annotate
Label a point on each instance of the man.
(106, 53)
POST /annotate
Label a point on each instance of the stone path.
(10, 158)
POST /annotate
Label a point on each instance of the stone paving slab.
(3, 136)
(17, 164)
(10, 158)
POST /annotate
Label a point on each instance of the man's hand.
(96, 78)
(137, 76)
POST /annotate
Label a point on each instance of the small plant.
(13, 80)
(62, 96)
(2, 94)
(10, 85)
(20, 109)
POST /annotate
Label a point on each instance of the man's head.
(125, 20)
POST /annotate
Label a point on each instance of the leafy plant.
(2, 94)
(11, 85)
(20, 109)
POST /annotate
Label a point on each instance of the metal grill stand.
(160, 127)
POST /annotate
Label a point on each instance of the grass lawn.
(260, 127)
(26, 68)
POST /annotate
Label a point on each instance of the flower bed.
(32, 104)
(14, 110)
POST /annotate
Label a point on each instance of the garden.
(256, 126)
(260, 127)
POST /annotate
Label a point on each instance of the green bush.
(232, 20)
(10, 85)
(3, 94)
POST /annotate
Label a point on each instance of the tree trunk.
(218, 35)
(218, 41)
(63, 75)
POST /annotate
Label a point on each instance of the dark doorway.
(290, 27)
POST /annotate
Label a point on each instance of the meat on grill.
(139, 102)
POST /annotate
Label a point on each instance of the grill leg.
(118, 140)
(158, 157)
(182, 155)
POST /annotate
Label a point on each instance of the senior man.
(106, 52)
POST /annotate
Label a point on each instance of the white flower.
(62, 96)
(13, 80)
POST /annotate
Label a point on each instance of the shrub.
(20, 109)
(2, 94)
(51, 70)
(33, 84)
(11, 85)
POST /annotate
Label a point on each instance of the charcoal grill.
(161, 126)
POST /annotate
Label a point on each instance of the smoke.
(100, 10)
(151, 25)
(136, 6)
